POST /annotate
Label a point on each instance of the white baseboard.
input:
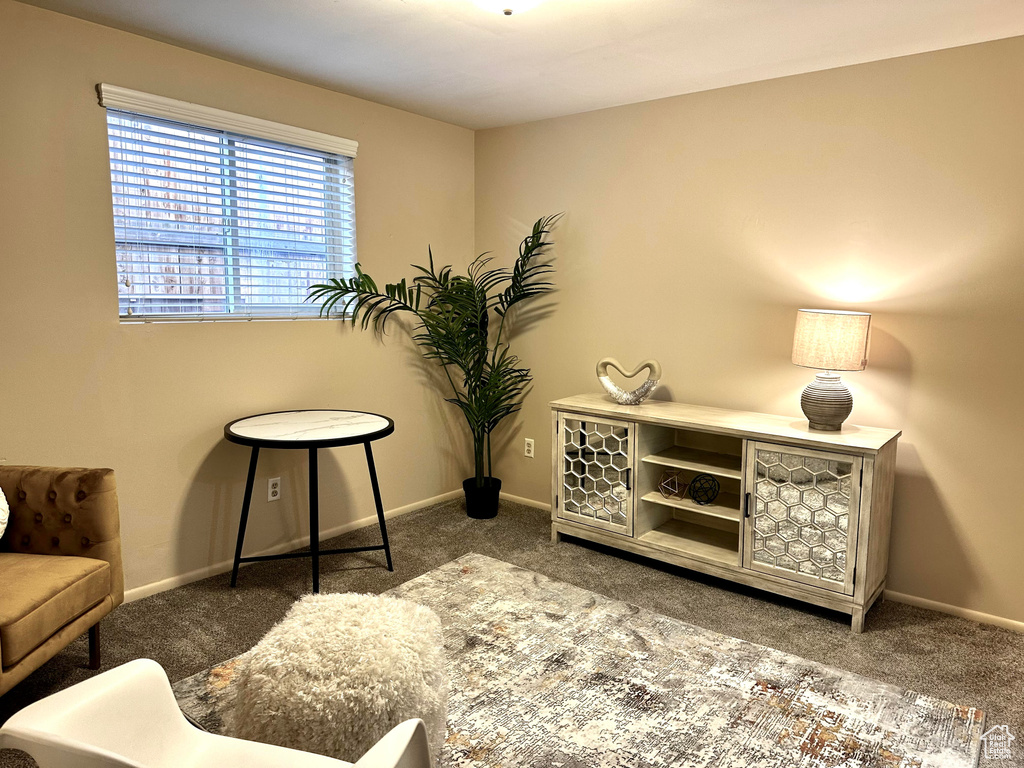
(955, 610)
(145, 590)
(136, 593)
(897, 597)
(526, 502)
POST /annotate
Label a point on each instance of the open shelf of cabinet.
(679, 457)
(725, 507)
(685, 538)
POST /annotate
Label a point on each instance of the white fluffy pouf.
(340, 671)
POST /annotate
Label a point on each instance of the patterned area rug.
(546, 675)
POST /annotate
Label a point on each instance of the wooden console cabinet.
(802, 513)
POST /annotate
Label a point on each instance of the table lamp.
(829, 340)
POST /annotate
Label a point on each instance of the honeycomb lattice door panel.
(803, 520)
(595, 481)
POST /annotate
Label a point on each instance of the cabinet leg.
(555, 535)
(857, 621)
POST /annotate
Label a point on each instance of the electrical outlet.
(274, 489)
(528, 452)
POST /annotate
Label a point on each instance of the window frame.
(234, 129)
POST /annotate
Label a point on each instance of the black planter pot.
(482, 502)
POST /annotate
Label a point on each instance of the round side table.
(310, 430)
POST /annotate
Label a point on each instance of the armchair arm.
(62, 511)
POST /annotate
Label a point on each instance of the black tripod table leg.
(314, 518)
(250, 479)
(380, 507)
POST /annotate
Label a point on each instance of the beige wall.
(78, 388)
(696, 226)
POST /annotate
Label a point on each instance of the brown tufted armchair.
(60, 564)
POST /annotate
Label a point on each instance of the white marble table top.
(309, 425)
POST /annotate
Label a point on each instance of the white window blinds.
(213, 224)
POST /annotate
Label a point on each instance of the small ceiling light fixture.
(507, 7)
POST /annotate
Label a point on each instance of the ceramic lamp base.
(826, 402)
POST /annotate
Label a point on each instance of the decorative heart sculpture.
(635, 396)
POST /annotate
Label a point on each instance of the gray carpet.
(193, 627)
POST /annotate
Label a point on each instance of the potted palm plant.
(463, 322)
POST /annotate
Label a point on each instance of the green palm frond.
(527, 278)
(453, 324)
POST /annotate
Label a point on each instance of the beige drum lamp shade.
(831, 340)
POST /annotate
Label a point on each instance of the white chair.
(128, 718)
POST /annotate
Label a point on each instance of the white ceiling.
(456, 61)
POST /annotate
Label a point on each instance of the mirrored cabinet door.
(802, 511)
(595, 485)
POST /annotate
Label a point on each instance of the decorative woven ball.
(704, 489)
